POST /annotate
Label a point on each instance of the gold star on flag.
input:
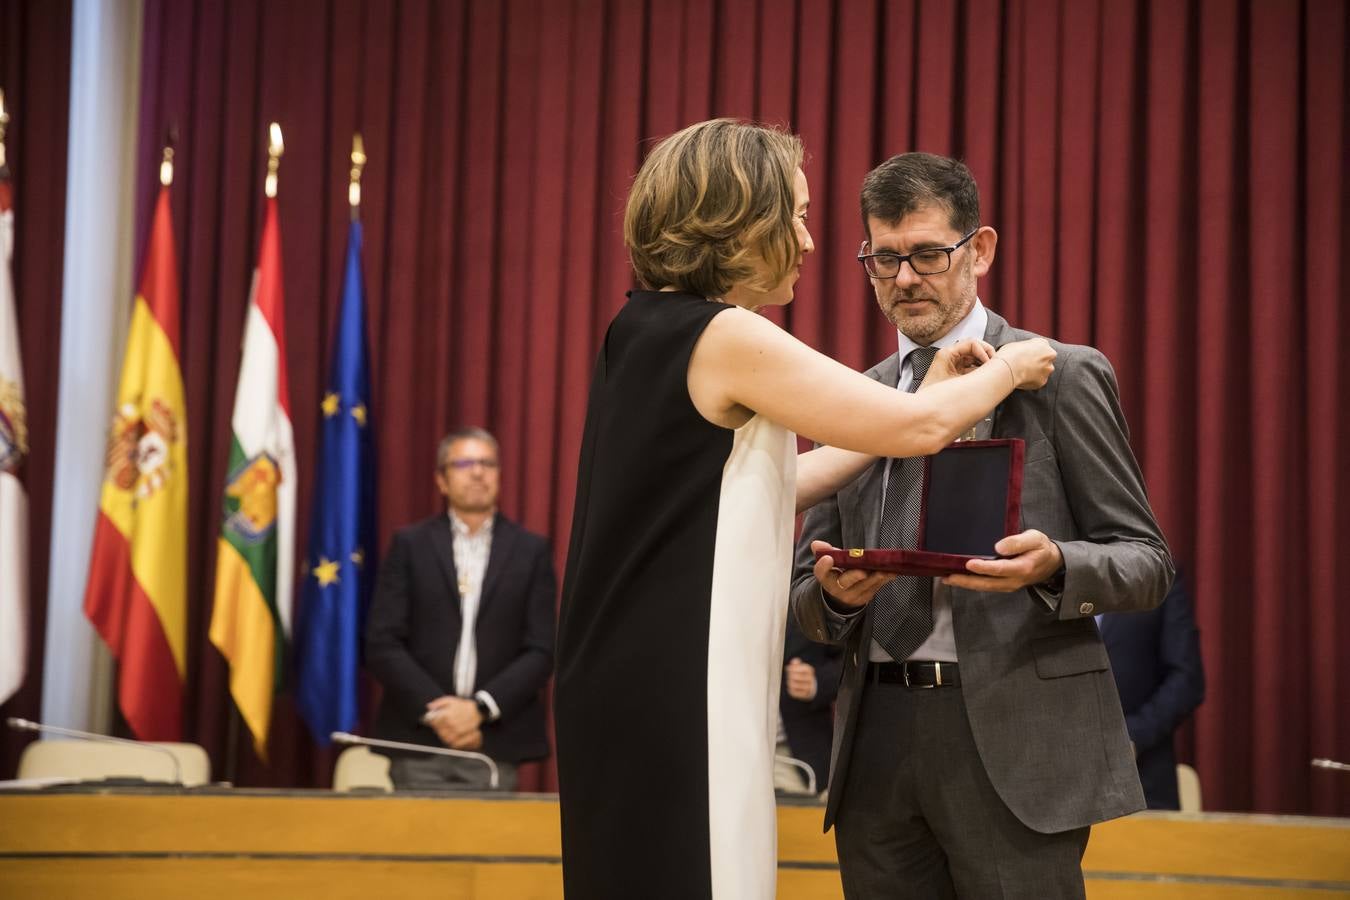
(359, 414)
(331, 404)
(359, 556)
(326, 571)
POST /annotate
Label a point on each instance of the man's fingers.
(875, 580)
(850, 578)
(1014, 544)
(992, 567)
(823, 567)
(981, 583)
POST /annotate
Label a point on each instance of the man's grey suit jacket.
(1036, 682)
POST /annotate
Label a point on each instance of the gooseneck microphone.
(27, 725)
(342, 737)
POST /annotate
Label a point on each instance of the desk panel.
(112, 844)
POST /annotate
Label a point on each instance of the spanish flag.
(137, 592)
(255, 560)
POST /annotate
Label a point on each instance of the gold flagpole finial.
(275, 147)
(358, 163)
(4, 124)
(166, 166)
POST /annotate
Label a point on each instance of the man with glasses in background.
(460, 631)
(978, 732)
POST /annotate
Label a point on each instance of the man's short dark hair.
(910, 181)
(460, 434)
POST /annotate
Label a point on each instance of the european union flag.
(340, 565)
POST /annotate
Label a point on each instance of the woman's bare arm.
(744, 364)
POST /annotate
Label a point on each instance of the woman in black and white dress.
(675, 597)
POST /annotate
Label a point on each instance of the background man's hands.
(456, 721)
(801, 680)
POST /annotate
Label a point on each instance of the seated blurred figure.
(806, 710)
(1155, 656)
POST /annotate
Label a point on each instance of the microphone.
(37, 727)
(342, 737)
(806, 770)
(1330, 764)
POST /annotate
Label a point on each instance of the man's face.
(926, 307)
(468, 476)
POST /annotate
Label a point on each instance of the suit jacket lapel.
(870, 482)
(998, 332)
(503, 537)
(443, 542)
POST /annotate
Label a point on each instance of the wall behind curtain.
(1167, 178)
(35, 75)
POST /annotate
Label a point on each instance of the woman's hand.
(1030, 362)
(958, 359)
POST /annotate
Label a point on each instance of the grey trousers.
(448, 773)
(920, 819)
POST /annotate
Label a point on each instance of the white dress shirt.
(472, 550)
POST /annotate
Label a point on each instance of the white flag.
(13, 497)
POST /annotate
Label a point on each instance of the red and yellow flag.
(137, 592)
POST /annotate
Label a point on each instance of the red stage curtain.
(1167, 177)
(35, 75)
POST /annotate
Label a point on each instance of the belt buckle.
(905, 669)
(937, 669)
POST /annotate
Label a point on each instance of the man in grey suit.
(979, 734)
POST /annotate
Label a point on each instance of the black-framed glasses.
(463, 465)
(928, 261)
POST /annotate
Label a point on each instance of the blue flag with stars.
(340, 565)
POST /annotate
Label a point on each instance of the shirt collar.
(460, 528)
(972, 326)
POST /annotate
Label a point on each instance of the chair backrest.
(359, 769)
(59, 758)
(1188, 788)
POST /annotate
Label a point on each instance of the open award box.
(972, 499)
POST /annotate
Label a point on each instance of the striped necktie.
(903, 608)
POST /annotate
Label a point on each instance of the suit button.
(1085, 609)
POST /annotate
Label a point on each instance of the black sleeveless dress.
(670, 635)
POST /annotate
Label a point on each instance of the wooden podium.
(110, 843)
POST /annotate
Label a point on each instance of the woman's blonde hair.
(708, 201)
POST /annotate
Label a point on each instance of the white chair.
(1188, 788)
(358, 769)
(87, 760)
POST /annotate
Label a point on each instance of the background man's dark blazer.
(1155, 656)
(810, 723)
(413, 630)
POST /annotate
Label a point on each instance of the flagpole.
(166, 165)
(4, 124)
(275, 148)
(358, 164)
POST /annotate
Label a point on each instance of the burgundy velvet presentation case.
(972, 499)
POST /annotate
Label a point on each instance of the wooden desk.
(208, 844)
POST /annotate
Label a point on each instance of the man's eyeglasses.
(928, 261)
(463, 465)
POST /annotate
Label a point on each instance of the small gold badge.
(855, 553)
